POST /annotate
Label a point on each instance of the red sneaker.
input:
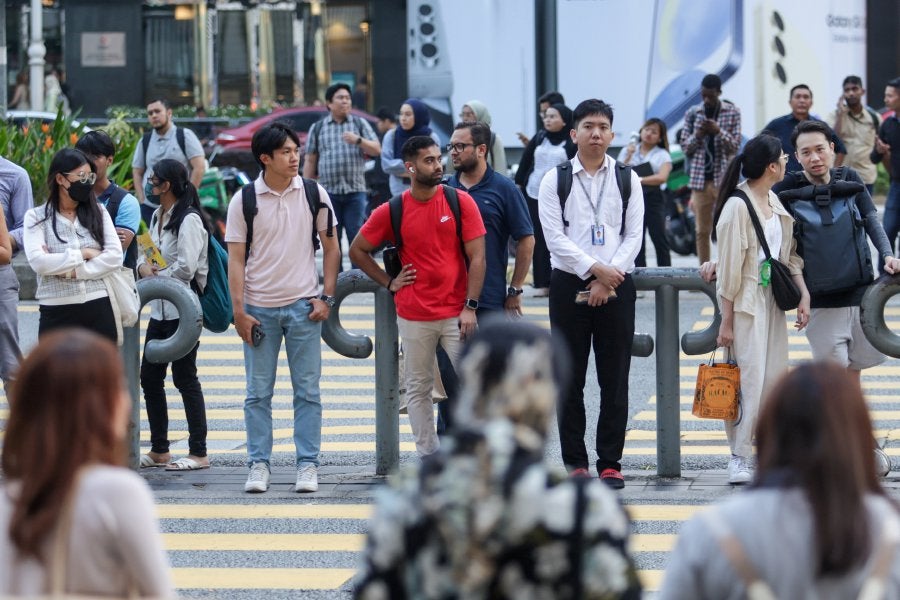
(580, 472)
(613, 478)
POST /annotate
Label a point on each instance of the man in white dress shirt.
(593, 251)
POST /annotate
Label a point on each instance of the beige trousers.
(703, 202)
(420, 341)
(761, 350)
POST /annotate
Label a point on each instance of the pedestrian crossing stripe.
(893, 311)
(688, 399)
(325, 446)
(327, 371)
(261, 578)
(649, 415)
(883, 370)
(867, 384)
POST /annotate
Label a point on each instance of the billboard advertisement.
(647, 57)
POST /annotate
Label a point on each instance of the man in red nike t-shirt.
(436, 296)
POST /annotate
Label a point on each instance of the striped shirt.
(341, 165)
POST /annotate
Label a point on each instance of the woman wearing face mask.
(552, 145)
(181, 233)
(71, 244)
(414, 120)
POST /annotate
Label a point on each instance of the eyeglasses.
(84, 176)
(458, 147)
(155, 182)
(785, 157)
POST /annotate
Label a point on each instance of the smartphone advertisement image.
(656, 52)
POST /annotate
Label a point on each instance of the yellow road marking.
(262, 542)
(662, 512)
(266, 579)
(649, 415)
(651, 579)
(177, 436)
(265, 511)
(871, 372)
(327, 371)
(330, 447)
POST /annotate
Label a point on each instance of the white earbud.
(411, 170)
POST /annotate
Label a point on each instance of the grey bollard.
(871, 315)
(666, 282)
(157, 351)
(387, 399)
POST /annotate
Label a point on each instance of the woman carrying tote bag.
(752, 324)
(71, 244)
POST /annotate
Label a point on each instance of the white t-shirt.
(657, 157)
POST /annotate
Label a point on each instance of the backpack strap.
(179, 137)
(115, 199)
(395, 204)
(311, 189)
(623, 182)
(452, 197)
(491, 148)
(248, 202)
(145, 144)
(563, 186)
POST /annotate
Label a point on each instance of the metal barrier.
(666, 282)
(190, 323)
(387, 391)
(871, 315)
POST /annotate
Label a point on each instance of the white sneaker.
(307, 478)
(258, 480)
(739, 470)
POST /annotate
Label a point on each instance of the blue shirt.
(783, 127)
(129, 215)
(505, 215)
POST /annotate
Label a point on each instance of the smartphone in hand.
(257, 335)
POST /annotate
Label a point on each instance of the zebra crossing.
(226, 545)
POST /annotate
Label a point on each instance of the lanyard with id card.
(598, 231)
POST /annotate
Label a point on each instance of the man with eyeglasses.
(123, 208)
(16, 200)
(167, 140)
(336, 150)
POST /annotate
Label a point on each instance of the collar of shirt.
(455, 181)
(604, 169)
(329, 118)
(263, 188)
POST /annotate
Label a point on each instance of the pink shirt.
(281, 267)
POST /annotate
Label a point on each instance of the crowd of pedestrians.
(578, 217)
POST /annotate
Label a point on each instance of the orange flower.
(25, 129)
(48, 143)
(45, 128)
(73, 138)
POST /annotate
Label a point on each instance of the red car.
(233, 145)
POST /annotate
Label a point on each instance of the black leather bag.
(787, 294)
(391, 258)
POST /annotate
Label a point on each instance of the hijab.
(420, 125)
(558, 137)
(481, 112)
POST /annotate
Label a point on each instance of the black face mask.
(80, 192)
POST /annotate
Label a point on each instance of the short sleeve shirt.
(505, 215)
(431, 246)
(166, 146)
(281, 267)
(129, 214)
(341, 165)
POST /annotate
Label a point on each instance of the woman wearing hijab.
(552, 145)
(414, 120)
(484, 516)
(474, 111)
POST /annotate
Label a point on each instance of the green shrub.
(232, 111)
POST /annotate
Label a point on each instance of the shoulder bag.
(123, 296)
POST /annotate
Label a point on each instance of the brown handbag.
(718, 391)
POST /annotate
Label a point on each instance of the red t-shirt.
(430, 244)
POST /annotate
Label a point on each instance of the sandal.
(186, 464)
(148, 462)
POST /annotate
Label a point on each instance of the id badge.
(597, 236)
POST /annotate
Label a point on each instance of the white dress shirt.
(571, 248)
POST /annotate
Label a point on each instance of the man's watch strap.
(471, 304)
(358, 140)
(329, 300)
(514, 291)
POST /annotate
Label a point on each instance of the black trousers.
(540, 259)
(655, 223)
(184, 376)
(96, 315)
(609, 330)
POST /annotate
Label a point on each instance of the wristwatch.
(514, 291)
(329, 300)
(471, 304)
(358, 140)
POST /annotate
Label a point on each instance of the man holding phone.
(592, 295)
(275, 295)
(857, 126)
(710, 139)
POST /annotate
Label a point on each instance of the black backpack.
(311, 189)
(112, 207)
(564, 188)
(830, 232)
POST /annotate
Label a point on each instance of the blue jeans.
(350, 211)
(892, 215)
(302, 340)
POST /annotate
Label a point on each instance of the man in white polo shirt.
(275, 294)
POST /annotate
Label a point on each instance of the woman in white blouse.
(653, 149)
(181, 233)
(752, 324)
(71, 244)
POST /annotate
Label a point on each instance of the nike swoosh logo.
(444, 219)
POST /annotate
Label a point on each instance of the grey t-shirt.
(166, 146)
